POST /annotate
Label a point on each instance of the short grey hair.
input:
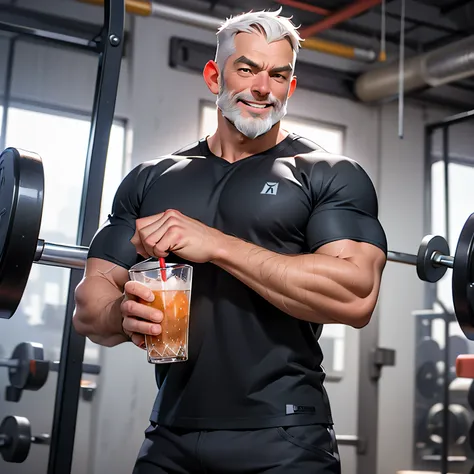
(275, 27)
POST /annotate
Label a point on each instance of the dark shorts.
(292, 450)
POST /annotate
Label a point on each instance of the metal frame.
(8, 88)
(431, 290)
(73, 345)
(368, 386)
(29, 24)
(109, 44)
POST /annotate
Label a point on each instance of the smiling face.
(256, 83)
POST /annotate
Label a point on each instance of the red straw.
(163, 271)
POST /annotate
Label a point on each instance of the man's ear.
(211, 75)
(294, 81)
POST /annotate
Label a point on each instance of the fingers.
(138, 326)
(138, 317)
(135, 288)
(171, 240)
(153, 233)
(140, 310)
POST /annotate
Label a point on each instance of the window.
(331, 138)
(61, 141)
(461, 196)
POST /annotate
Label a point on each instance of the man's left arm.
(339, 283)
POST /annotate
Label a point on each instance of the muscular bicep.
(368, 262)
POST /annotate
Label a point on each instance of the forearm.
(97, 314)
(313, 287)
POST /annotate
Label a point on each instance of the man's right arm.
(98, 298)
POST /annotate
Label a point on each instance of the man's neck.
(231, 145)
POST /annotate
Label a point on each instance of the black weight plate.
(21, 209)
(428, 380)
(462, 282)
(428, 376)
(426, 269)
(18, 431)
(23, 376)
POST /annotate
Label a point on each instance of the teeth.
(257, 106)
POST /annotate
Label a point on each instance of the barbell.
(21, 208)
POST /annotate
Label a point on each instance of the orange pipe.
(339, 16)
(304, 6)
(135, 7)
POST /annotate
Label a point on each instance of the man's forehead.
(254, 45)
(244, 39)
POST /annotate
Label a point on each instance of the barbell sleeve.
(92, 369)
(410, 259)
(61, 255)
(443, 260)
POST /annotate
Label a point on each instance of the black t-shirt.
(250, 365)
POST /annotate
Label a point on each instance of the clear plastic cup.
(171, 286)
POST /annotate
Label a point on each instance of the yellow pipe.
(145, 8)
(134, 7)
(329, 47)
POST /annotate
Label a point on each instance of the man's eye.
(279, 76)
(245, 69)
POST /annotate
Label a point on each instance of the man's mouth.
(254, 105)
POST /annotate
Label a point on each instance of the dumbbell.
(16, 439)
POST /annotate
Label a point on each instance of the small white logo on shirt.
(270, 188)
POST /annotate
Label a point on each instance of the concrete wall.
(162, 106)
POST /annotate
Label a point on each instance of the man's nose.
(261, 85)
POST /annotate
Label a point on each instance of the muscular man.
(283, 238)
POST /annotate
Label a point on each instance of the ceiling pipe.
(305, 7)
(146, 9)
(441, 66)
(344, 14)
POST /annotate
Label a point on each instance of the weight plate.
(463, 278)
(428, 376)
(428, 379)
(426, 269)
(31, 372)
(459, 424)
(21, 209)
(18, 432)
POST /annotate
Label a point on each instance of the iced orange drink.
(172, 289)
(172, 343)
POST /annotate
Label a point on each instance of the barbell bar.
(21, 206)
(71, 256)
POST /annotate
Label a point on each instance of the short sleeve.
(345, 205)
(112, 241)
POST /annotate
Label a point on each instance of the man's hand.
(139, 319)
(171, 231)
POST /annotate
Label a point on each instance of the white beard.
(255, 125)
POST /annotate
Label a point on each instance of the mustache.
(250, 98)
